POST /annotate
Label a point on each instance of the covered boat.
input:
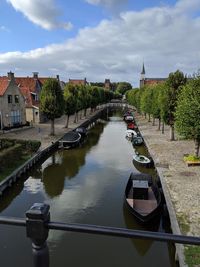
(142, 197)
(70, 139)
(137, 140)
(128, 118)
(82, 131)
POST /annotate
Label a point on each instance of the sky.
(99, 39)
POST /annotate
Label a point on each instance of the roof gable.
(4, 82)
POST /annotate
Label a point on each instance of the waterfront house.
(12, 103)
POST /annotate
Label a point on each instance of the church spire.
(143, 70)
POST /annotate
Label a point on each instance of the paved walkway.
(41, 132)
(182, 182)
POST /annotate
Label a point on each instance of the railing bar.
(138, 234)
(111, 231)
(13, 221)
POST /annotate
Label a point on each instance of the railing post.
(36, 218)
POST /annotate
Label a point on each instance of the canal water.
(83, 185)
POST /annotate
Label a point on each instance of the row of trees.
(175, 102)
(54, 102)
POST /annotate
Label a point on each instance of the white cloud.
(107, 3)
(116, 48)
(43, 13)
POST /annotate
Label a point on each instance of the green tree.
(122, 87)
(188, 112)
(69, 102)
(174, 83)
(51, 101)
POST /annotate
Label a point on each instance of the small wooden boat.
(142, 197)
(70, 139)
(137, 140)
(130, 133)
(142, 160)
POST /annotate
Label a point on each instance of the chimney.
(35, 75)
(57, 77)
(11, 76)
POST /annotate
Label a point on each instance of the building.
(78, 82)
(107, 84)
(149, 81)
(12, 103)
(31, 88)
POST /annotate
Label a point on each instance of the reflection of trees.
(53, 179)
(73, 159)
(142, 245)
(69, 164)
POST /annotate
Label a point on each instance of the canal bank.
(181, 183)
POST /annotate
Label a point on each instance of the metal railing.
(38, 224)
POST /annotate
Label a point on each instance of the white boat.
(130, 133)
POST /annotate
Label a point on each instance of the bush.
(191, 158)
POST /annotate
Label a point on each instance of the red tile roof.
(4, 82)
(77, 82)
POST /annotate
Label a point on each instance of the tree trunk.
(85, 112)
(197, 143)
(67, 122)
(149, 118)
(159, 124)
(52, 127)
(163, 127)
(80, 116)
(153, 122)
(172, 138)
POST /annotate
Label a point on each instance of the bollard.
(36, 218)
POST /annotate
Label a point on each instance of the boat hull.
(155, 212)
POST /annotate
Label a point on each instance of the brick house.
(149, 81)
(12, 103)
(31, 88)
(78, 82)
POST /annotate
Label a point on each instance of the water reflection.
(142, 246)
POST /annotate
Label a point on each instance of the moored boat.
(128, 118)
(142, 197)
(142, 160)
(82, 131)
(137, 140)
(130, 133)
(70, 139)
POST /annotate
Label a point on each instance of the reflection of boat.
(141, 159)
(142, 245)
(142, 197)
(137, 140)
(70, 139)
(130, 133)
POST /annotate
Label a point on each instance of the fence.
(38, 224)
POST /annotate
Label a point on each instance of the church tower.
(142, 77)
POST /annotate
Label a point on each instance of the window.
(9, 98)
(16, 99)
(15, 117)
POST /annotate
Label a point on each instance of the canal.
(83, 185)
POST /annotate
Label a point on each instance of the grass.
(191, 158)
(14, 166)
(192, 256)
(183, 223)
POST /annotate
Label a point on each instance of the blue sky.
(99, 39)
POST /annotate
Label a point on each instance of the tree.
(188, 112)
(69, 102)
(174, 83)
(122, 87)
(51, 101)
